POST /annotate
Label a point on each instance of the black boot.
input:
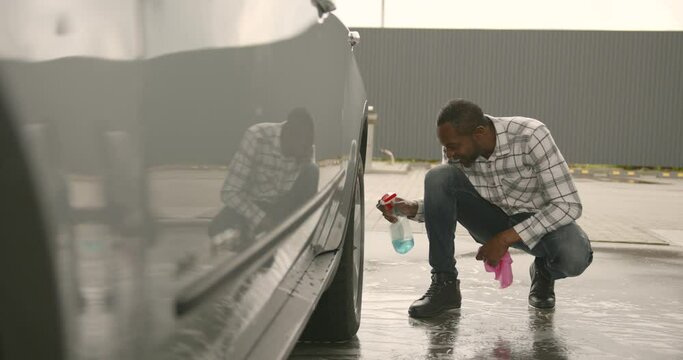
(443, 294)
(542, 293)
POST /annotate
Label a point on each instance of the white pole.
(372, 120)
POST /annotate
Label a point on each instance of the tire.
(337, 316)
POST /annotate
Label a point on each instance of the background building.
(605, 76)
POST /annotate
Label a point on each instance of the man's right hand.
(405, 207)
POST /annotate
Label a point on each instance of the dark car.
(180, 179)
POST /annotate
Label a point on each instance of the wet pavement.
(627, 305)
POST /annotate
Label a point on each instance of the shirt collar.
(502, 146)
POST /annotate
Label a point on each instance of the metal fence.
(607, 97)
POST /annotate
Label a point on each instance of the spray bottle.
(401, 234)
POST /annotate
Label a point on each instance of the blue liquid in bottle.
(402, 246)
(401, 235)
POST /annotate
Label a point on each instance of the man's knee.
(308, 176)
(574, 264)
(444, 175)
(574, 253)
(311, 170)
(305, 186)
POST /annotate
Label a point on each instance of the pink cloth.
(503, 270)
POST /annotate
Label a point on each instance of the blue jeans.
(450, 197)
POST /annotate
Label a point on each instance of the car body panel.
(130, 115)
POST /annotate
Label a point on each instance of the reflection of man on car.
(271, 175)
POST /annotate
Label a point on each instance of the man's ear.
(479, 131)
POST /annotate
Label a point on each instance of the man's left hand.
(495, 248)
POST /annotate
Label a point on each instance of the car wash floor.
(627, 305)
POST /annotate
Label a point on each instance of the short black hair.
(299, 125)
(464, 115)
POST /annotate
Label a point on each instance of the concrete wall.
(608, 97)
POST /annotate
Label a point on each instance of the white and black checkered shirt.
(525, 174)
(258, 172)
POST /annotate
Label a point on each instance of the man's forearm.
(243, 206)
(510, 236)
(551, 217)
(419, 211)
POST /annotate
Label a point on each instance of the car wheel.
(337, 316)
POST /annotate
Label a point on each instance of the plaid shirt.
(259, 172)
(525, 174)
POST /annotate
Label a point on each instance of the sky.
(608, 15)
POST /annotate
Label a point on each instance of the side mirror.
(354, 38)
(323, 6)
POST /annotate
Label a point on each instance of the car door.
(132, 119)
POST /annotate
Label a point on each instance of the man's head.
(464, 132)
(297, 135)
